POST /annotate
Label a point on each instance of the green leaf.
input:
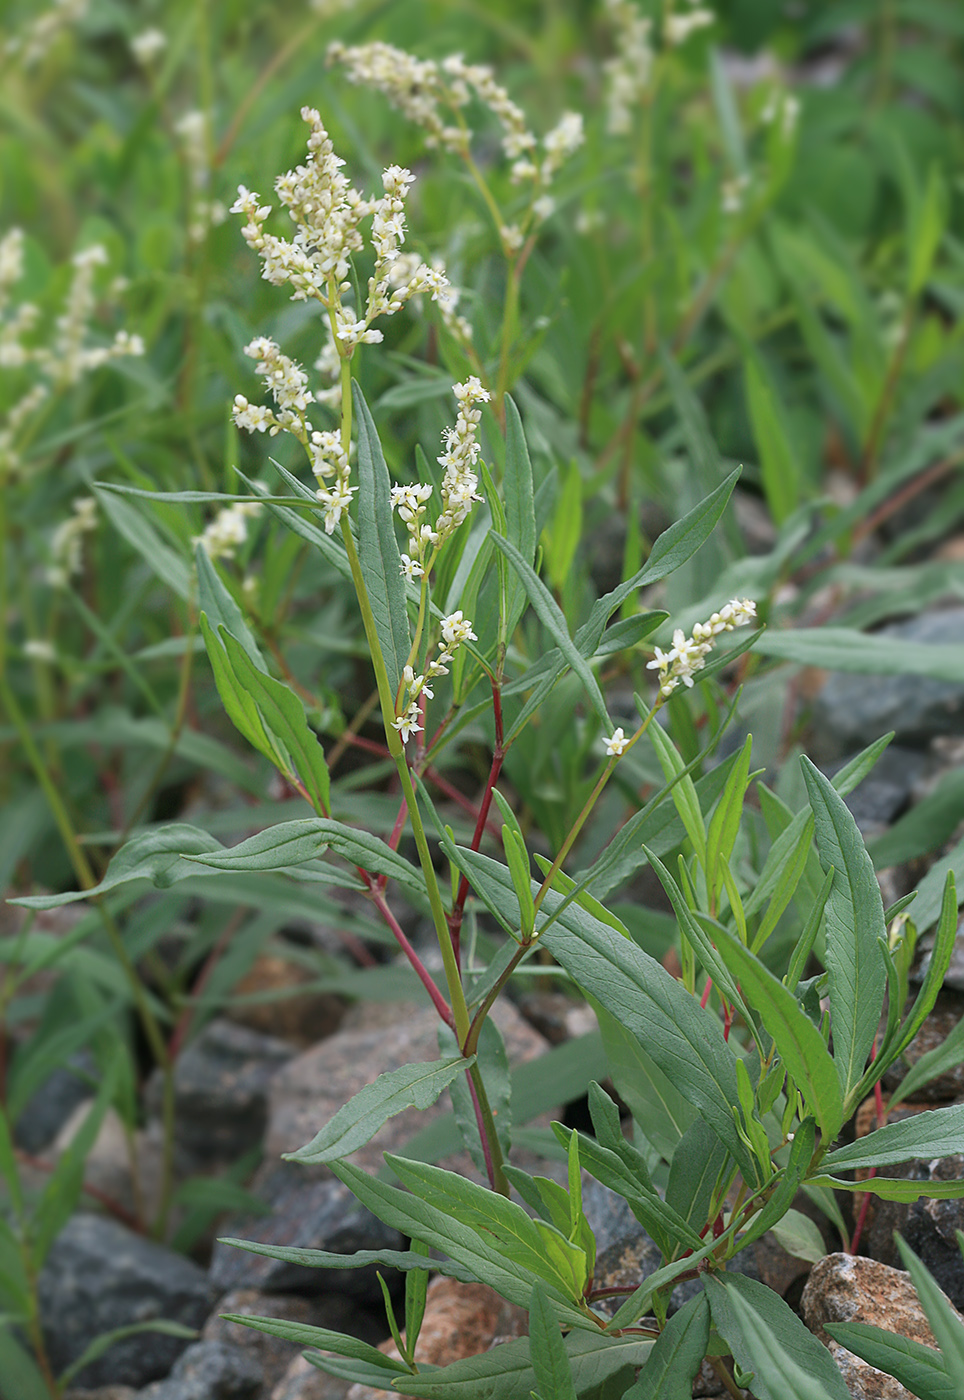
(157, 856)
(221, 609)
(918, 1368)
(854, 923)
(945, 1323)
(684, 1041)
(549, 614)
(304, 1335)
(550, 1364)
(377, 546)
(290, 844)
(799, 1236)
(768, 1339)
(96, 1348)
(537, 1246)
(561, 537)
(778, 462)
(474, 1250)
(694, 1171)
(284, 716)
(677, 1355)
(142, 536)
(652, 1096)
(940, 960)
(683, 792)
(357, 1121)
(725, 821)
(362, 1259)
(897, 1188)
(238, 704)
(797, 1039)
(505, 1372)
(939, 1132)
(22, 1377)
(948, 1055)
(844, 649)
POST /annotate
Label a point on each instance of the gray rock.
(337, 1312)
(46, 1111)
(305, 1214)
(887, 790)
(854, 710)
(210, 1371)
(302, 1381)
(311, 1088)
(221, 1086)
(928, 1226)
(99, 1276)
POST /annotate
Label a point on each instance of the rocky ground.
(264, 1084)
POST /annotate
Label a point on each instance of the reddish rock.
(461, 1319)
(850, 1288)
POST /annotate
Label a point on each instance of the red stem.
(421, 972)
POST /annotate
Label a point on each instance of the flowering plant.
(739, 1069)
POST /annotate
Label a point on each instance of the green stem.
(396, 748)
(500, 1182)
(591, 801)
(85, 876)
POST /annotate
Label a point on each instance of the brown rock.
(302, 1381)
(461, 1319)
(300, 1017)
(850, 1288)
(310, 1089)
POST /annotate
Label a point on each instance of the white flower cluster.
(678, 28)
(66, 546)
(67, 357)
(38, 35)
(327, 212)
(228, 530)
(433, 95)
(148, 45)
(204, 212)
(455, 630)
(688, 654)
(628, 72)
(733, 193)
(459, 485)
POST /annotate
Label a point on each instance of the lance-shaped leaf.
(939, 1132)
(535, 1244)
(896, 1188)
(677, 1355)
(405, 1260)
(159, 856)
(758, 1324)
(305, 1335)
(547, 610)
(357, 1121)
(473, 1248)
(291, 844)
(685, 1041)
(284, 717)
(854, 921)
(377, 547)
(505, 1372)
(797, 1039)
(945, 1322)
(550, 1363)
(520, 516)
(918, 1368)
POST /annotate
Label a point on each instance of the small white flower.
(147, 45)
(407, 723)
(411, 568)
(456, 629)
(616, 744)
(39, 649)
